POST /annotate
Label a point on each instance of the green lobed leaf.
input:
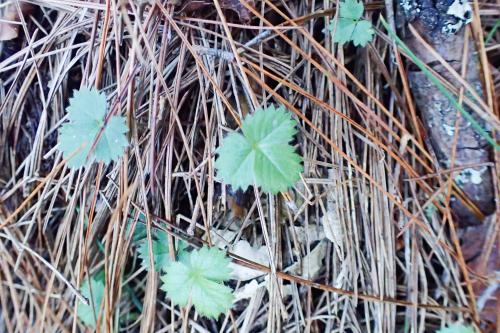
(87, 106)
(199, 280)
(86, 114)
(344, 31)
(349, 26)
(113, 141)
(211, 263)
(88, 313)
(351, 9)
(71, 139)
(362, 34)
(457, 328)
(262, 154)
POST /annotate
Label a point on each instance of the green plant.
(349, 25)
(88, 313)
(457, 328)
(160, 249)
(198, 280)
(86, 115)
(261, 155)
(195, 277)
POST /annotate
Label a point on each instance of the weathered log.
(440, 23)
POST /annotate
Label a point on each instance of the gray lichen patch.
(446, 16)
(450, 130)
(470, 175)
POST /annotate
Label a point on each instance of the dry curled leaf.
(256, 254)
(311, 264)
(9, 29)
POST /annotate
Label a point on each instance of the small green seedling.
(457, 328)
(160, 249)
(349, 25)
(198, 280)
(88, 313)
(261, 155)
(86, 115)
